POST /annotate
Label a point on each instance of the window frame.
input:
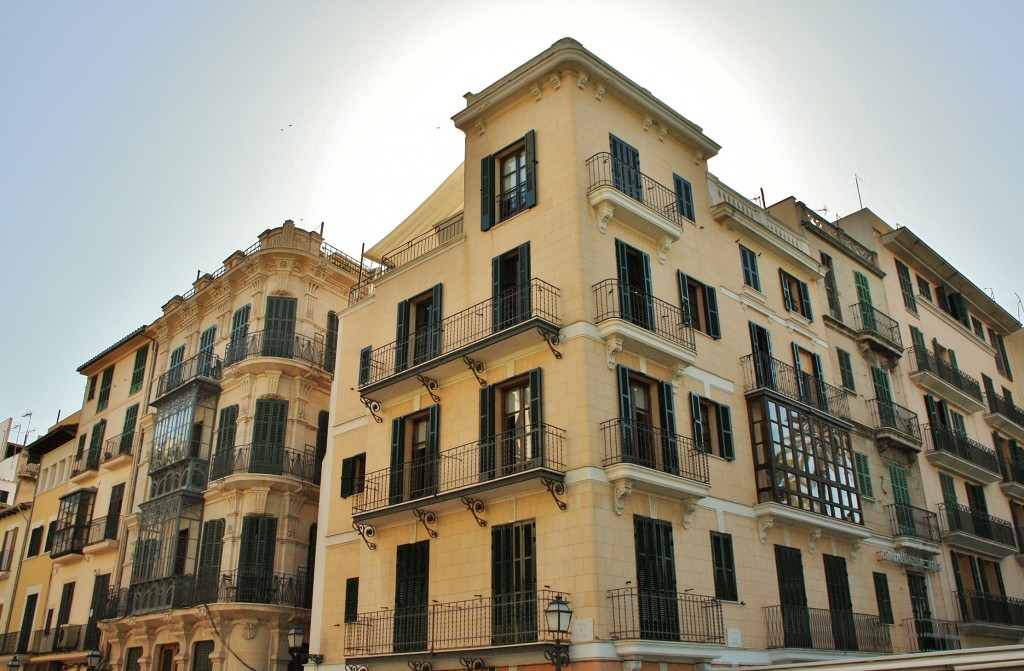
(723, 564)
(139, 369)
(106, 383)
(748, 264)
(796, 297)
(353, 475)
(491, 173)
(684, 197)
(704, 316)
(712, 423)
(846, 370)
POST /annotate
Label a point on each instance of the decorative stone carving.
(662, 134)
(535, 91)
(632, 665)
(273, 379)
(854, 549)
(689, 508)
(677, 375)
(648, 122)
(480, 128)
(812, 540)
(259, 500)
(604, 215)
(622, 492)
(698, 157)
(663, 250)
(600, 91)
(249, 629)
(612, 347)
(581, 80)
(763, 526)
(556, 80)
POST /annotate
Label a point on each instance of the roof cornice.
(568, 54)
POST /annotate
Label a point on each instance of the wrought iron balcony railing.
(9, 643)
(616, 300)
(656, 197)
(62, 638)
(436, 237)
(506, 454)
(89, 460)
(906, 520)
(118, 445)
(234, 586)
(665, 616)
(955, 517)
(628, 442)
(1000, 405)
(822, 629)
(953, 442)
(889, 415)
(990, 608)
(205, 365)
(103, 529)
(925, 361)
(537, 300)
(841, 238)
(929, 635)
(279, 345)
(266, 458)
(764, 372)
(1013, 471)
(482, 622)
(867, 317)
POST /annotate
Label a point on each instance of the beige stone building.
(707, 425)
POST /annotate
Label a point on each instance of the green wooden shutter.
(396, 485)
(226, 427)
(625, 294)
(279, 327)
(724, 567)
(684, 197)
(648, 292)
(139, 369)
(433, 447)
(788, 300)
(805, 301)
(128, 429)
(684, 298)
(206, 341)
(364, 365)
(530, 194)
(880, 380)
(976, 497)
(626, 168)
(711, 312)
(725, 431)
(331, 341)
(863, 287)
(948, 489)
(351, 600)
(669, 442)
(626, 413)
(846, 369)
(487, 200)
(434, 335)
(487, 438)
(537, 429)
(920, 350)
(256, 559)
(867, 488)
(907, 289)
(348, 477)
(697, 422)
(882, 598)
(792, 597)
(900, 488)
(270, 422)
(211, 548)
(412, 584)
(524, 295)
(656, 579)
(108, 377)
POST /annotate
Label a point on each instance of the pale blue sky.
(142, 141)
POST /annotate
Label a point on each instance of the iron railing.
(841, 238)
(616, 300)
(118, 445)
(63, 638)
(280, 345)
(535, 300)
(1000, 405)
(925, 361)
(89, 460)
(204, 364)
(103, 529)
(656, 197)
(1013, 471)
(889, 415)
(823, 629)
(990, 608)
(929, 635)
(9, 643)
(906, 520)
(234, 586)
(946, 440)
(436, 237)
(867, 317)
(665, 616)
(490, 460)
(629, 442)
(481, 622)
(764, 372)
(955, 517)
(267, 458)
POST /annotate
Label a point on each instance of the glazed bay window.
(73, 520)
(508, 181)
(712, 427)
(795, 295)
(700, 305)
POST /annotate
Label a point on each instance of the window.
(712, 427)
(789, 572)
(91, 388)
(351, 600)
(201, 652)
(517, 191)
(279, 327)
(1002, 360)
(256, 558)
(353, 475)
(35, 541)
(656, 579)
(831, 292)
(511, 297)
(331, 341)
(270, 421)
(131, 661)
(139, 369)
(412, 584)
(647, 421)
(514, 583)
(867, 488)
(700, 305)
(724, 567)
(73, 519)
(636, 293)
(952, 303)
(418, 334)
(748, 260)
(906, 287)
(206, 341)
(238, 345)
(322, 427)
(846, 369)
(924, 289)
(365, 362)
(211, 547)
(50, 528)
(684, 197)
(809, 380)
(7, 549)
(227, 427)
(984, 578)
(626, 174)
(414, 455)
(979, 328)
(795, 296)
(511, 426)
(837, 584)
(174, 372)
(104, 398)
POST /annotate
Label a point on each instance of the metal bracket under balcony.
(640, 323)
(491, 329)
(895, 427)
(943, 379)
(877, 332)
(957, 453)
(1005, 416)
(974, 531)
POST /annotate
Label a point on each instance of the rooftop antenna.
(1020, 306)
(856, 182)
(28, 428)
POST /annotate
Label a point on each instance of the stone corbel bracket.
(812, 540)
(689, 508)
(763, 526)
(612, 347)
(622, 492)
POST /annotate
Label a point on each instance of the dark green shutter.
(524, 297)
(684, 297)
(920, 350)
(211, 547)
(396, 485)
(656, 579)
(270, 422)
(846, 369)
(108, 377)
(788, 300)
(279, 327)
(434, 335)
(724, 567)
(487, 200)
(227, 427)
(883, 599)
(322, 427)
(711, 312)
(792, 597)
(364, 365)
(622, 265)
(402, 336)
(351, 599)
(909, 300)
(530, 195)
(487, 438)
(669, 441)
(648, 292)
(684, 197)
(256, 559)
(867, 488)
(433, 447)
(900, 489)
(348, 477)
(805, 301)
(331, 340)
(697, 421)
(725, 431)
(412, 583)
(537, 416)
(626, 412)
(948, 487)
(139, 369)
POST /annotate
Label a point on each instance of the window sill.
(799, 318)
(755, 294)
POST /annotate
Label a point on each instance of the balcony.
(86, 462)
(946, 380)
(983, 614)
(975, 531)
(840, 239)
(482, 623)
(618, 191)
(929, 635)
(914, 529)
(1005, 416)
(652, 460)
(509, 463)
(956, 452)
(1013, 479)
(70, 540)
(102, 534)
(490, 329)
(63, 638)
(116, 447)
(763, 373)
(234, 586)
(753, 224)
(440, 235)
(204, 367)
(822, 629)
(643, 324)
(265, 459)
(665, 616)
(877, 331)
(311, 352)
(895, 426)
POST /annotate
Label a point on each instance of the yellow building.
(614, 379)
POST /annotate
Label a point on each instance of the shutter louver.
(487, 201)
(530, 195)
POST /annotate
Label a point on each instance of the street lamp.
(14, 664)
(296, 638)
(92, 659)
(558, 616)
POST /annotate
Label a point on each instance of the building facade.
(706, 424)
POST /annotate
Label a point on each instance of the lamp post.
(92, 660)
(14, 664)
(558, 616)
(296, 638)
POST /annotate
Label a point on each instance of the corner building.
(614, 378)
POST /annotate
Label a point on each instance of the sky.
(141, 142)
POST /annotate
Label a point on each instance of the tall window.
(279, 327)
(511, 296)
(846, 369)
(270, 422)
(724, 567)
(712, 426)
(139, 369)
(837, 584)
(414, 455)
(256, 559)
(636, 294)
(412, 584)
(795, 295)
(656, 579)
(748, 262)
(351, 599)
(511, 426)
(626, 169)
(882, 598)
(513, 583)
(418, 330)
(684, 197)
(516, 187)
(789, 569)
(238, 345)
(105, 383)
(700, 305)
(906, 286)
(647, 421)
(211, 547)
